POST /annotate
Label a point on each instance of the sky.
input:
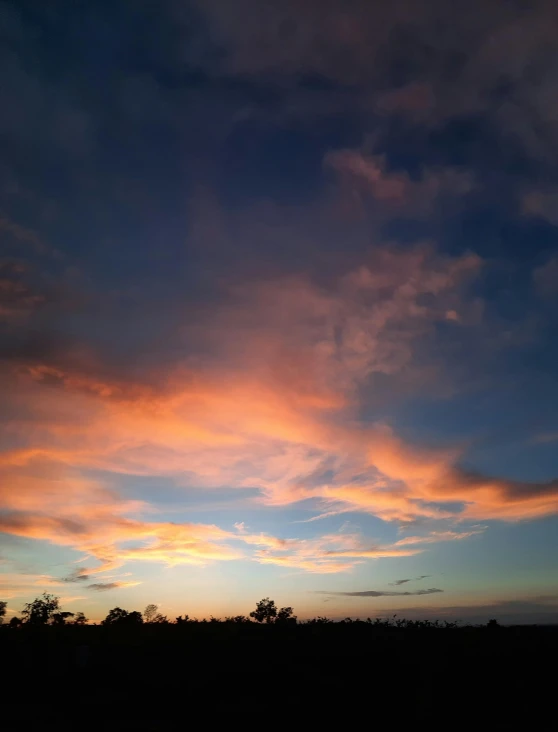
(278, 305)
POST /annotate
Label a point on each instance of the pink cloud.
(272, 406)
(366, 175)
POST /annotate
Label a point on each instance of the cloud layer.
(272, 404)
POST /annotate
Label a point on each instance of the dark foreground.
(304, 676)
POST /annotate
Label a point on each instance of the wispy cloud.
(381, 593)
(367, 176)
(411, 579)
(78, 575)
(16, 584)
(438, 536)
(272, 406)
(105, 586)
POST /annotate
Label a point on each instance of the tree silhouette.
(265, 612)
(15, 622)
(3, 606)
(117, 616)
(60, 618)
(80, 619)
(151, 615)
(42, 610)
(285, 615)
(134, 618)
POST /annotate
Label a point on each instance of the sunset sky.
(279, 305)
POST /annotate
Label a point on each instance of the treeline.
(143, 671)
(46, 611)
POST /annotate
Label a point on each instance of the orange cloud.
(328, 554)
(13, 584)
(272, 406)
(437, 536)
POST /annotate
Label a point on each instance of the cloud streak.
(106, 586)
(412, 579)
(382, 593)
(78, 575)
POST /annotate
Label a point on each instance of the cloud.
(437, 536)
(327, 554)
(17, 298)
(396, 193)
(412, 579)
(431, 480)
(16, 584)
(381, 593)
(295, 356)
(351, 44)
(52, 504)
(103, 533)
(270, 401)
(545, 278)
(105, 586)
(17, 235)
(415, 99)
(542, 204)
(497, 65)
(78, 575)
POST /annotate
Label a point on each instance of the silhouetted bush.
(120, 617)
